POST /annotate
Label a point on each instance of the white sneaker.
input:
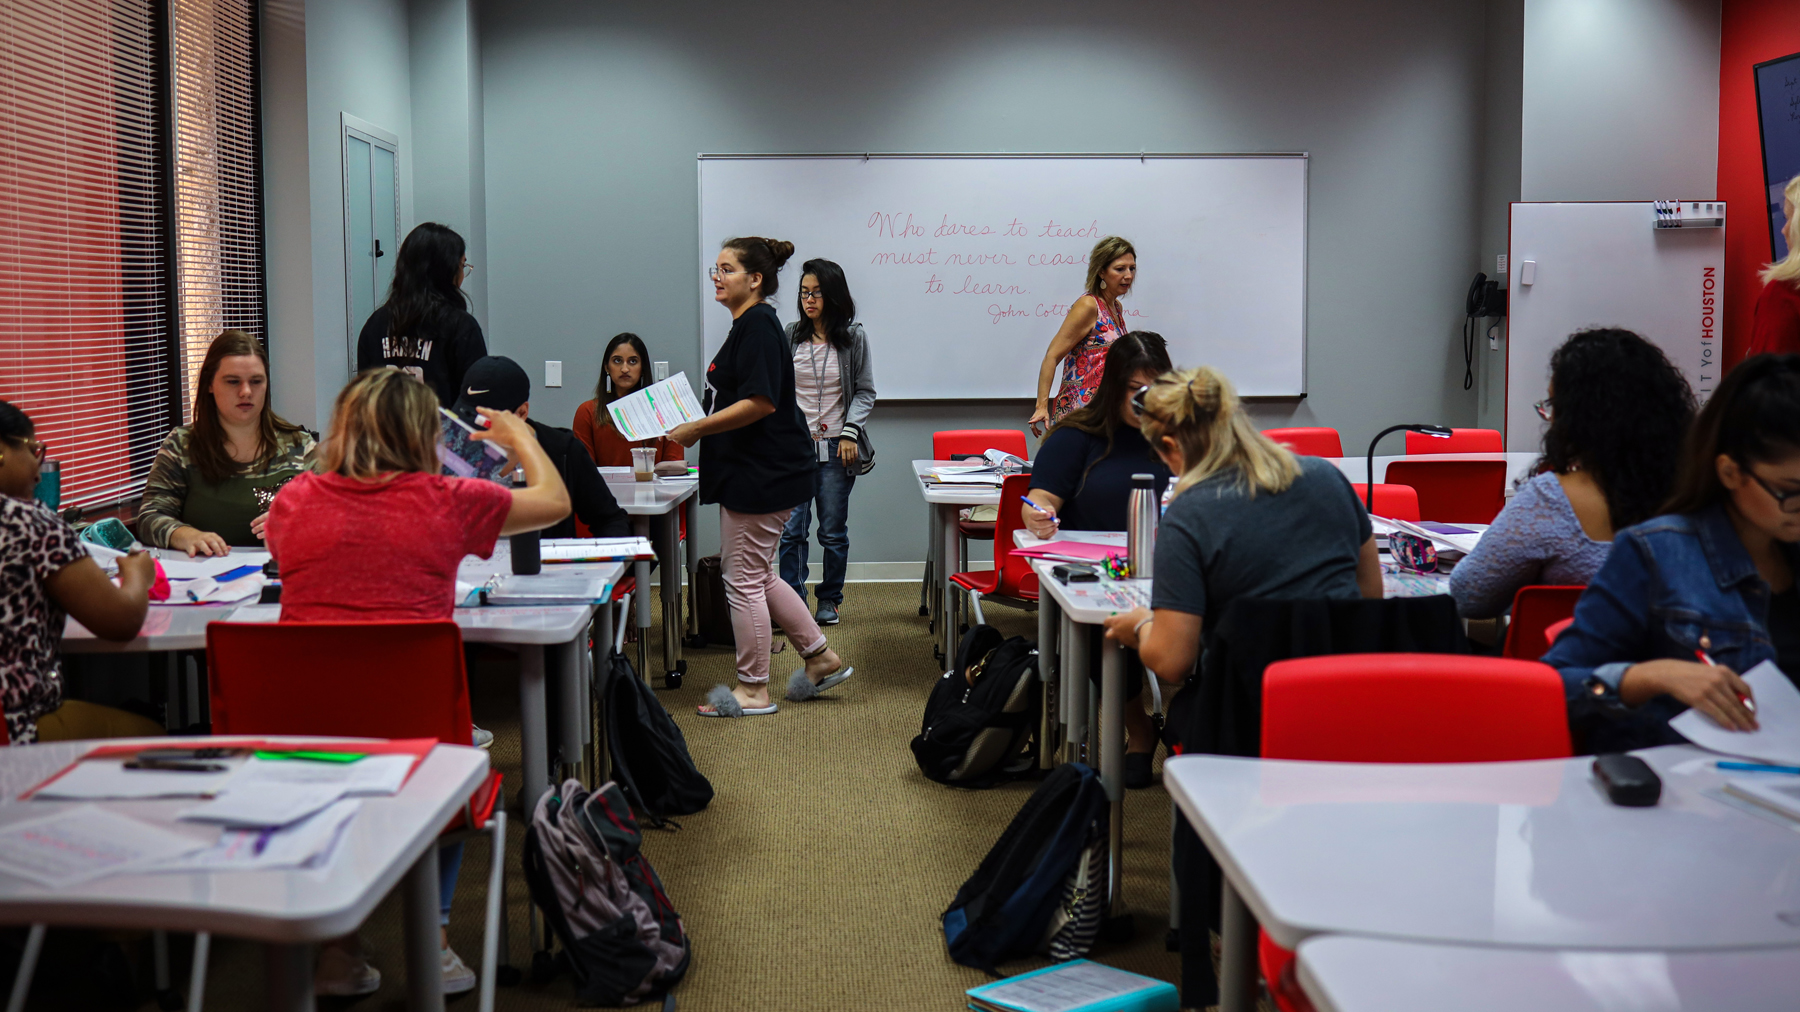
(344, 974)
(480, 738)
(457, 975)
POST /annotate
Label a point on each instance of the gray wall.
(594, 114)
(448, 163)
(1620, 99)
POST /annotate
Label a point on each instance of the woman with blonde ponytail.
(1248, 519)
(1775, 329)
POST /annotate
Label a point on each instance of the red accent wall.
(1751, 31)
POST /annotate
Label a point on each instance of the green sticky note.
(320, 757)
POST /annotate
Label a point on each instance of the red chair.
(1310, 441)
(1404, 708)
(1459, 441)
(1454, 491)
(1012, 579)
(1396, 502)
(362, 680)
(1554, 630)
(944, 446)
(1534, 610)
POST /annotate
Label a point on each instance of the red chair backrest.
(348, 679)
(1534, 610)
(1413, 708)
(1017, 578)
(1459, 441)
(1555, 629)
(1454, 491)
(1312, 441)
(1396, 502)
(951, 441)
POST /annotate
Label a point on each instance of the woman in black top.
(756, 462)
(425, 328)
(1081, 481)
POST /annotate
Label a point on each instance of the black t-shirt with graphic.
(439, 354)
(766, 466)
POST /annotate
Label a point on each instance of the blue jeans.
(831, 491)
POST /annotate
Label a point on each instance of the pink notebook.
(1072, 551)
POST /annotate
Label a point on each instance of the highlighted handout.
(654, 410)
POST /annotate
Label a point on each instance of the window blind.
(84, 336)
(217, 197)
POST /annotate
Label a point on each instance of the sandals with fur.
(723, 704)
(801, 688)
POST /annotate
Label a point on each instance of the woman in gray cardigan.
(834, 381)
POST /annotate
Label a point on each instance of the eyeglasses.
(1787, 502)
(718, 272)
(1543, 409)
(36, 447)
(468, 268)
(809, 294)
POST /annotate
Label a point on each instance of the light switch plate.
(659, 371)
(1528, 272)
(552, 373)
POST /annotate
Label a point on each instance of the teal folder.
(1077, 986)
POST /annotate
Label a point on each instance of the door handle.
(378, 253)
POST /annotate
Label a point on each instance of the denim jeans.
(831, 491)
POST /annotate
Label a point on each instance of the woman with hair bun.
(757, 463)
(1249, 520)
(1093, 322)
(1617, 411)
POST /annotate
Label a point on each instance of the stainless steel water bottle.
(1140, 526)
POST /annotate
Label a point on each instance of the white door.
(371, 222)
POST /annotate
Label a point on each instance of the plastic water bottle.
(526, 559)
(1140, 526)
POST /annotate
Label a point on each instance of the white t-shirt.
(819, 387)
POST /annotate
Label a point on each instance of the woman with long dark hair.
(1618, 411)
(1081, 480)
(834, 382)
(1690, 599)
(757, 463)
(623, 368)
(211, 484)
(424, 328)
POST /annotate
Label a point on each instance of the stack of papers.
(86, 843)
(595, 549)
(309, 843)
(219, 579)
(1070, 551)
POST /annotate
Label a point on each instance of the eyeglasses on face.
(809, 294)
(722, 272)
(36, 447)
(1787, 502)
(1543, 409)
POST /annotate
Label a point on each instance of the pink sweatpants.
(755, 591)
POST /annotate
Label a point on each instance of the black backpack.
(980, 714)
(1008, 909)
(649, 755)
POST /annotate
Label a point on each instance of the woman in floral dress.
(1093, 323)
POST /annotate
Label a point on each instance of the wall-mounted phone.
(1485, 299)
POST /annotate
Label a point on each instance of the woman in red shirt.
(1776, 326)
(621, 373)
(376, 536)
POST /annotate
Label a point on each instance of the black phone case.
(1628, 780)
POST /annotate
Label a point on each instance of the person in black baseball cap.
(498, 383)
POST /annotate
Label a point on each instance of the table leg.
(571, 699)
(287, 978)
(602, 670)
(1075, 684)
(947, 552)
(533, 724)
(934, 566)
(419, 900)
(1112, 764)
(640, 570)
(668, 552)
(1237, 951)
(689, 508)
(1049, 616)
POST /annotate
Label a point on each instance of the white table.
(1342, 973)
(172, 627)
(1518, 465)
(943, 552)
(1061, 607)
(288, 911)
(653, 506)
(1526, 854)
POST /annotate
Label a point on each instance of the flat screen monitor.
(1778, 110)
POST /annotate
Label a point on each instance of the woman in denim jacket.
(1713, 577)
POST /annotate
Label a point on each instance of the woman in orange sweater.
(621, 373)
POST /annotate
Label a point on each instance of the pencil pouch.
(1413, 552)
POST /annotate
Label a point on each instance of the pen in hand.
(1706, 659)
(1041, 508)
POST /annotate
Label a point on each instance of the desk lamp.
(1440, 431)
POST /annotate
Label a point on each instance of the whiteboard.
(963, 266)
(1607, 265)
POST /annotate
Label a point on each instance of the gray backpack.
(620, 935)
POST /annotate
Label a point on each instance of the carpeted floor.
(816, 878)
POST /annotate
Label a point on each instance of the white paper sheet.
(654, 410)
(1073, 986)
(309, 843)
(370, 776)
(594, 549)
(95, 779)
(1777, 737)
(203, 566)
(264, 806)
(85, 843)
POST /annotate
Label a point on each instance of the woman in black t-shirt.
(1081, 481)
(424, 328)
(756, 462)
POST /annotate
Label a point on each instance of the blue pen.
(262, 841)
(1757, 767)
(1040, 507)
